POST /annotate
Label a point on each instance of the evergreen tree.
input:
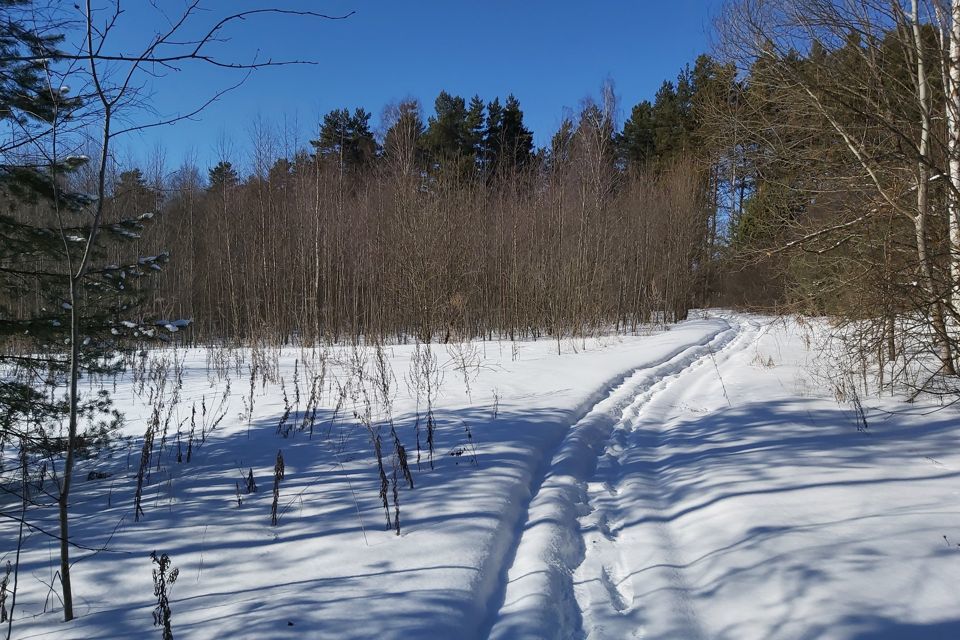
(669, 116)
(222, 177)
(637, 142)
(132, 193)
(493, 136)
(346, 138)
(449, 136)
(561, 144)
(64, 311)
(517, 139)
(280, 173)
(475, 125)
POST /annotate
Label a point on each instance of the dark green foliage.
(637, 141)
(403, 144)
(561, 144)
(222, 176)
(450, 139)
(346, 138)
(24, 95)
(53, 279)
(477, 139)
(281, 173)
(493, 135)
(475, 121)
(516, 139)
(658, 132)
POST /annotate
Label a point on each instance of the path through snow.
(561, 572)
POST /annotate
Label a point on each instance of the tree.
(493, 136)
(637, 143)
(346, 138)
(73, 301)
(403, 142)
(55, 235)
(517, 140)
(222, 177)
(449, 138)
(846, 103)
(475, 123)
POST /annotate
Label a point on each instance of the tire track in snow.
(604, 585)
(538, 599)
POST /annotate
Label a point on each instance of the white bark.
(953, 143)
(922, 213)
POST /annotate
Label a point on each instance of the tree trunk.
(941, 337)
(63, 500)
(953, 142)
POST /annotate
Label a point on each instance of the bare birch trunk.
(942, 338)
(953, 142)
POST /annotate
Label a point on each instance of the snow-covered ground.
(699, 482)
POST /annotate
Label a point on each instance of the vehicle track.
(629, 482)
(575, 507)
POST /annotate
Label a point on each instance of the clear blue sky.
(549, 53)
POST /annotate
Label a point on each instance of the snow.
(700, 482)
(172, 325)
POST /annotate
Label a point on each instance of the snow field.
(694, 483)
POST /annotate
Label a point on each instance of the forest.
(814, 178)
(455, 226)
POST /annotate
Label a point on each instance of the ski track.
(567, 578)
(605, 590)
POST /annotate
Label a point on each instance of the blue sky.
(550, 54)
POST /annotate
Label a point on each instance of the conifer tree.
(65, 309)
(403, 142)
(475, 123)
(222, 176)
(449, 135)
(43, 231)
(346, 138)
(636, 142)
(517, 139)
(493, 136)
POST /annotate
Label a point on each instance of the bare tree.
(109, 86)
(859, 76)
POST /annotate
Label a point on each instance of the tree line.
(447, 226)
(839, 140)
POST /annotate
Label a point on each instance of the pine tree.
(561, 144)
(222, 176)
(636, 143)
(346, 138)
(475, 125)
(449, 138)
(64, 309)
(403, 142)
(517, 139)
(493, 136)
(132, 193)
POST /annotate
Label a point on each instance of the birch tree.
(846, 96)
